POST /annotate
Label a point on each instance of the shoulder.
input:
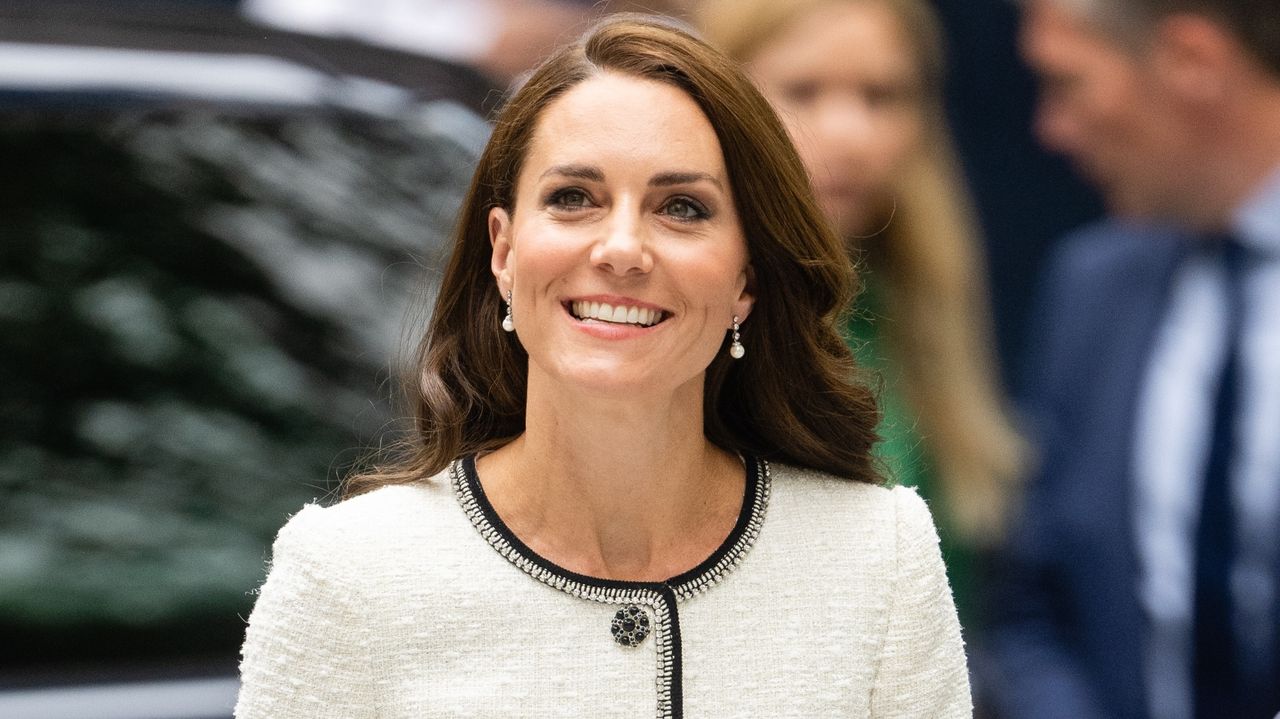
(1108, 249)
(837, 505)
(370, 527)
(1089, 273)
(865, 544)
(816, 485)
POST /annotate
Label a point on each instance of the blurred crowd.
(1065, 215)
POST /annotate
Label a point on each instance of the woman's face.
(845, 81)
(624, 253)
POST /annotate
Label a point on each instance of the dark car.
(215, 239)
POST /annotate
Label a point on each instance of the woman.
(859, 85)
(621, 499)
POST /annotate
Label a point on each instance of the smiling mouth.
(615, 314)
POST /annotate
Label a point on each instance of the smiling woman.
(625, 503)
(634, 214)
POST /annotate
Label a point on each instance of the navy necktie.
(1216, 662)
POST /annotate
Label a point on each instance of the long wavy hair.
(928, 266)
(798, 398)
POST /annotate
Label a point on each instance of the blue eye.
(685, 208)
(569, 198)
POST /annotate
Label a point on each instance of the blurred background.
(220, 222)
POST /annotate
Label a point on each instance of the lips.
(618, 314)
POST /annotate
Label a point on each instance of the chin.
(844, 218)
(861, 220)
(601, 377)
(616, 380)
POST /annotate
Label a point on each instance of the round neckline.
(475, 502)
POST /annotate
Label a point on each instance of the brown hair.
(796, 398)
(927, 263)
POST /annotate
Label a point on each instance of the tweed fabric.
(392, 604)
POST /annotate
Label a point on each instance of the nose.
(623, 248)
(844, 126)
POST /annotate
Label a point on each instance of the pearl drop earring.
(736, 350)
(509, 322)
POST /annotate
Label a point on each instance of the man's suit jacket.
(1066, 624)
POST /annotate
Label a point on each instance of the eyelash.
(557, 197)
(699, 210)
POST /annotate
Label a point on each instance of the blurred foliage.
(198, 313)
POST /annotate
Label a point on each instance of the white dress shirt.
(1175, 415)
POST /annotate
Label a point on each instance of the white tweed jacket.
(829, 599)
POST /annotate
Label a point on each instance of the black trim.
(661, 597)
(676, 689)
(750, 494)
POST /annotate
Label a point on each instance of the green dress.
(901, 452)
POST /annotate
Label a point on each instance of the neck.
(623, 488)
(1240, 156)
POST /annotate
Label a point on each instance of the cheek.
(898, 137)
(1110, 105)
(543, 253)
(1102, 116)
(709, 279)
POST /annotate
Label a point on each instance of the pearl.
(736, 350)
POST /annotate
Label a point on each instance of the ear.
(500, 240)
(746, 293)
(1193, 56)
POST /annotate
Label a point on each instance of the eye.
(569, 198)
(685, 209)
(800, 92)
(884, 95)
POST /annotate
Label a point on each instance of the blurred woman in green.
(859, 84)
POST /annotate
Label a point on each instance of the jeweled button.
(630, 626)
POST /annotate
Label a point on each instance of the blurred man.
(1143, 580)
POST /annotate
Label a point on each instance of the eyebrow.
(662, 179)
(667, 179)
(579, 172)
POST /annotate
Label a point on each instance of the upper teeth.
(621, 314)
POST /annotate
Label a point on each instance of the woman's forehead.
(626, 123)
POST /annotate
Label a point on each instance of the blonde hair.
(929, 264)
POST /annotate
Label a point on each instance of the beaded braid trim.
(732, 558)
(606, 595)
(648, 597)
(616, 595)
